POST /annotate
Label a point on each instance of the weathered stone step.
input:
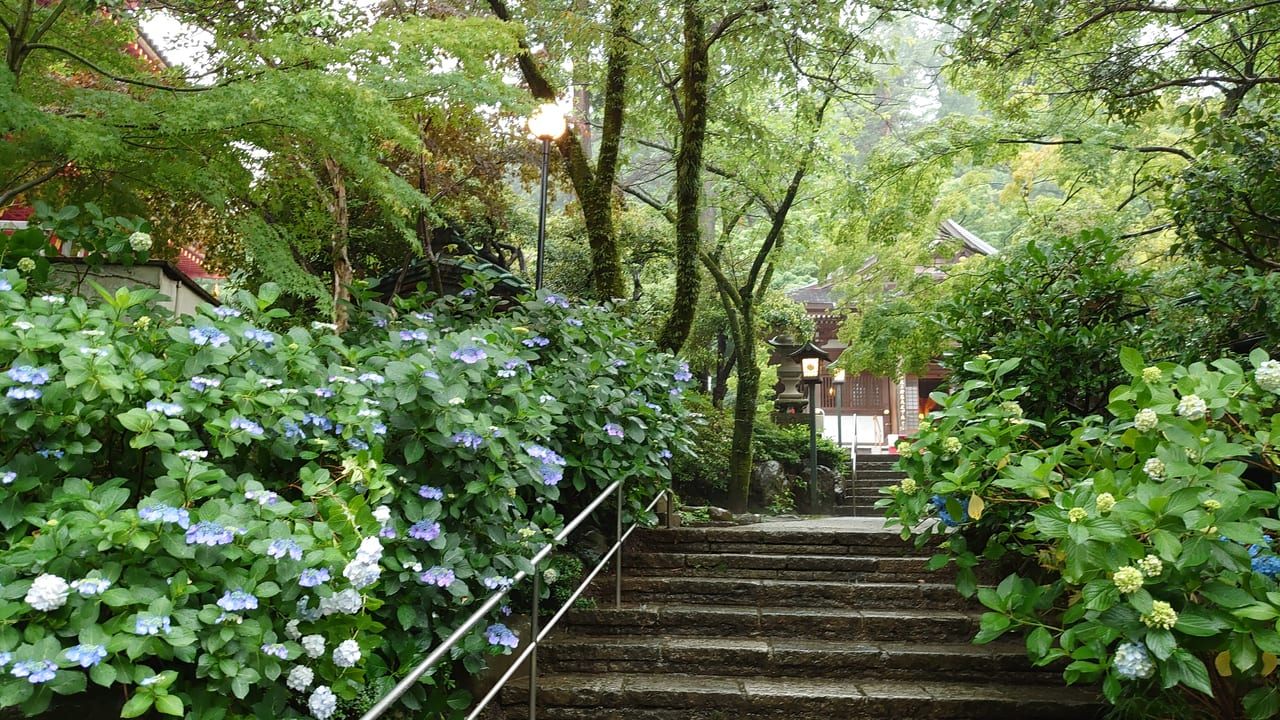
(878, 475)
(789, 593)
(747, 540)
(865, 568)
(791, 657)
(659, 696)
(920, 625)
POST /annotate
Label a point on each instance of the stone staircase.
(874, 471)
(831, 619)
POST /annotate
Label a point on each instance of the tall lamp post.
(811, 357)
(547, 123)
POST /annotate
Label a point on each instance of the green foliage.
(789, 445)
(225, 511)
(1062, 307)
(1143, 546)
(87, 231)
(704, 473)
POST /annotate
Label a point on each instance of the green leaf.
(1131, 361)
(1039, 642)
(1161, 643)
(1185, 668)
(170, 705)
(138, 704)
(1262, 703)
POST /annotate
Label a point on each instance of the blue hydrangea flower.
(7, 477)
(148, 624)
(1264, 562)
(319, 421)
(665, 454)
(388, 532)
(23, 393)
(412, 335)
(35, 671)
(683, 374)
(324, 392)
(499, 634)
(264, 497)
(467, 292)
(497, 581)
(201, 384)
(438, 576)
(280, 547)
(551, 474)
(468, 439)
(262, 336)
(372, 378)
(425, 316)
(165, 514)
(90, 586)
(311, 577)
(211, 336)
(86, 655)
(50, 453)
(237, 600)
(469, 355)
(248, 426)
(276, 650)
(1131, 661)
(291, 430)
(5, 285)
(378, 428)
(557, 300)
(425, 530)
(167, 409)
(28, 375)
(431, 374)
(225, 312)
(613, 430)
(430, 493)
(535, 341)
(5, 658)
(574, 322)
(940, 505)
(208, 532)
(357, 444)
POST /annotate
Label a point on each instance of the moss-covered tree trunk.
(744, 427)
(693, 132)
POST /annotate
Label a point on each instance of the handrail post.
(617, 568)
(533, 653)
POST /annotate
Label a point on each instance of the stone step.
(658, 696)
(816, 623)
(790, 657)
(752, 541)
(849, 568)
(789, 593)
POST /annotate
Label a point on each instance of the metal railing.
(537, 634)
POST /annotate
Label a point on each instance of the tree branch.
(111, 76)
(8, 195)
(1125, 148)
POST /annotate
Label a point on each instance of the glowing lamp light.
(547, 122)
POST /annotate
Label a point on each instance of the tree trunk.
(342, 271)
(694, 85)
(744, 427)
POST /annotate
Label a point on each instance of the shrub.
(1150, 537)
(789, 445)
(223, 516)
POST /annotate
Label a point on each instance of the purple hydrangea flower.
(574, 322)
(324, 392)
(438, 576)
(430, 493)
(499, 634)
(466, 438)
(372, 378)
(276, 650)
(225, 312)
(535, 341)
(431, 374)
(551, 474)
(280, 547)
(497, 581)
(28, 375)
(167, 409)
(683, 374)
(425, 530)
(319, 421)
(311, 577)
(264, 497)
(613, 429)
(469, 355)
(557, 300)
(410, 335)
(201, 384)
(166, 514)
(291, 430)
(24, 393)
(208, 532)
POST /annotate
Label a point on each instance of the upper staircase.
(830, 619)
(872, 471)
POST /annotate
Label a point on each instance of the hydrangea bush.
(1142, 548)
(224, 516)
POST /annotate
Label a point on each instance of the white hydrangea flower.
(909, 486)
(347, 654)
(1154, 468)
(1268, 375)
(48, 592)
(382, 514)
(1152, 374)
(140, 241)
(1162, 616)
(1127, 579)
(1151, 566)
(300, 678)
(1077, 514)
(291, 630)
(1192, 407)
(1105, 502)
(951, 445)
(1146, 420)
(361, 574)
(322, 703)
(313, 645)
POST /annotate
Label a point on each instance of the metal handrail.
(385, 702)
